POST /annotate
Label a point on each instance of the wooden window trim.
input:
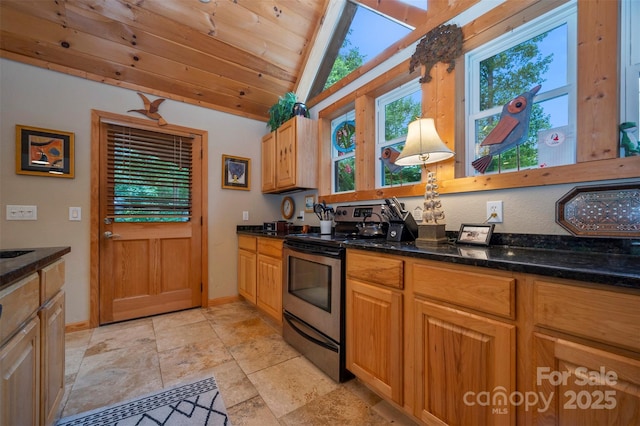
(597, 110)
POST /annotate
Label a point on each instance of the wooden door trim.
(94, 263)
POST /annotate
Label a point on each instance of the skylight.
(361, 35)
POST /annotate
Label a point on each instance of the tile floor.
(263, 381)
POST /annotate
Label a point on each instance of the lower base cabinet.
(19, 375)
(459, 359)
(584, 385)
(53, 357)
(374, 337)
(460, 345)
(260, 273)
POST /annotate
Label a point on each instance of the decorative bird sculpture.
(151, 109)
(388, 158)
(511, 130)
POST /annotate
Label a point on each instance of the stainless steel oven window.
(311, 282)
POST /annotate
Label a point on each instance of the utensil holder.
(325, 227)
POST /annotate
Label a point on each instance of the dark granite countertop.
(256, 231)
(16, 268)
(621, 270)
(610, 261)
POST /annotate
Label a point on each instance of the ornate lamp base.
(430, 234)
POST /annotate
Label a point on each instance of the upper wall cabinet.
(290, 156)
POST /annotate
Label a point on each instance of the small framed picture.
(478, 234)
(44, 152)
(236, 172)
(309, 201)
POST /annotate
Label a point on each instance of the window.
(543, 53)
(630, 61)
(394, 111)
(354, 43)
(149, 176)
(343, 153)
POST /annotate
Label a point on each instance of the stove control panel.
(357, 213)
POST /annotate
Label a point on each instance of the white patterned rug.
(197, 403)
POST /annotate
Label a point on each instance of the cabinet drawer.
(247, 243)
(270, 247)
(602, 315)
(51, 280)
(19, 301)
(493, 294)
(377, 269)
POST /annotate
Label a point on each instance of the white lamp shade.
(423, 145)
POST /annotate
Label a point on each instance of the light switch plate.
(75, 213)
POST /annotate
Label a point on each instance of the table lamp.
(424, 146)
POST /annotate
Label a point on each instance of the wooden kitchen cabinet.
(20, 353)
(260, 273)
(19, 372)
(52, 341)
(247, 261)
(53, 356)
(32, 361)
(290, 156)
(576, 336)
(374, 322)
(459, 353)
(438, 339)
(269, 277)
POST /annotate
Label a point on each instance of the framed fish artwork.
(44, 152)
(236, 172)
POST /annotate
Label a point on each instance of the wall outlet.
(22, 212)
(245, 215)
(494, 211)
(301, 216)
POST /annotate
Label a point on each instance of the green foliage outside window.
(502, 77)
(344, 64)
(345, 179)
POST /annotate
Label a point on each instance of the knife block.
(403, 230)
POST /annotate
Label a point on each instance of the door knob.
(109, 234)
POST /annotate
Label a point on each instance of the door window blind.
(149, 175)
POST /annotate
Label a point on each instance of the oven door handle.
(326, 344)
(325, 252)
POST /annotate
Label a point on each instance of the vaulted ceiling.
(237, 56)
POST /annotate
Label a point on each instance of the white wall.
(36, 97)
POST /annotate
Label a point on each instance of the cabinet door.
(269, 162)
(286, 155)
(374, 337)
(247, 275)
(461, 360)
(19, 371)
(269, 292)
(584, 385)
(52, 360)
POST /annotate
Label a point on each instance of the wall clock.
(287, 207)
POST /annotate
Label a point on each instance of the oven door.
(313, 286)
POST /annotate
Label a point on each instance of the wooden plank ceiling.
(236, 56)
(232, 55)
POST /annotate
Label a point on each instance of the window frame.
(380, 117)
(629, 61)
(565, 14)
(597, 159)
(348, 116)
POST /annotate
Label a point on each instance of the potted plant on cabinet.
(286, 107)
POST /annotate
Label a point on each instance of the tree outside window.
(539, 54)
